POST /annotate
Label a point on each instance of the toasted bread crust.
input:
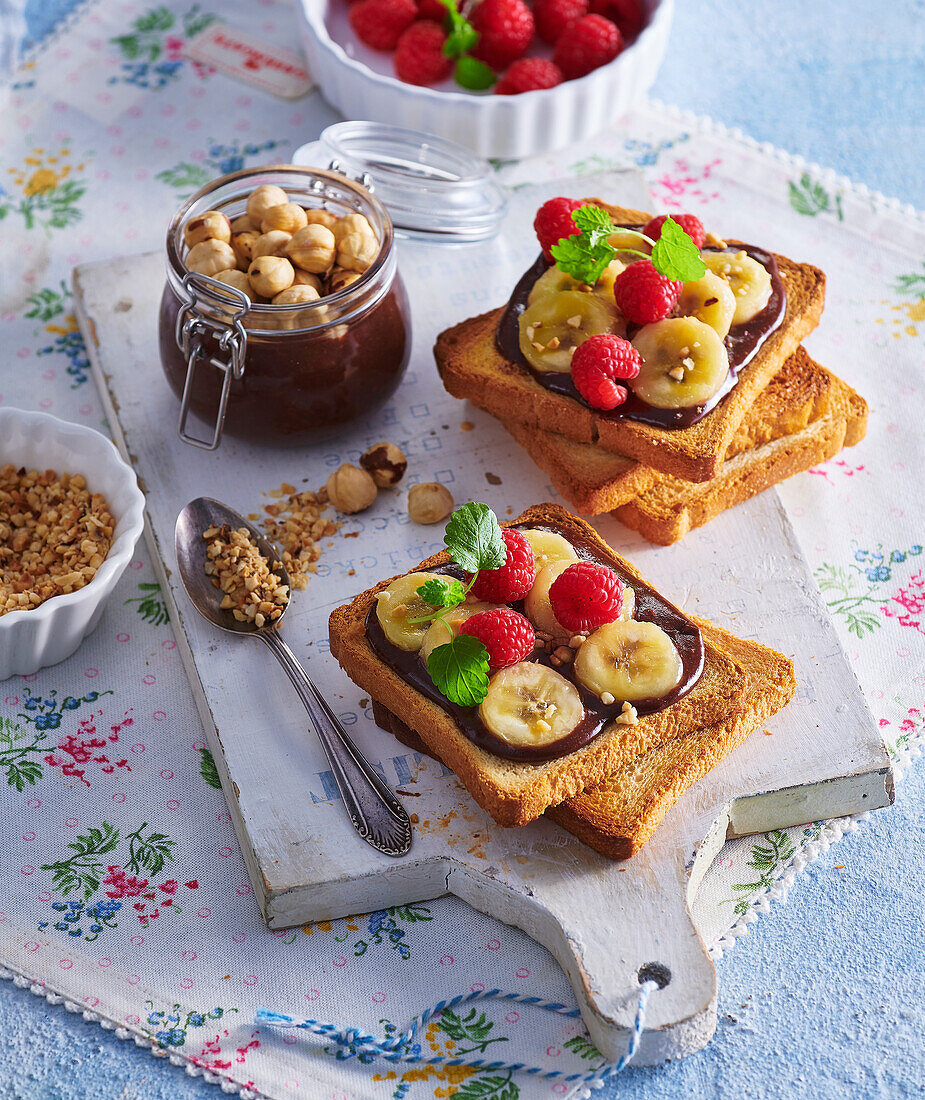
(515, 793)
(471, 367)
(618, 816)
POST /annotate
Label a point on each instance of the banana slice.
(684, 362)
(630, 660)
(530, 705)
(624, 239)
(554, 281)
(537, 607)
(709, 299)
(749, 281)
(555, 323)
(548, 547)
(440, 634)
(400, 602)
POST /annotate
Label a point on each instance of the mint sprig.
(462, 35)
(459, 669)
(473, 75)
(585, 255)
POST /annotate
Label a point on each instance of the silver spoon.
(375, 811)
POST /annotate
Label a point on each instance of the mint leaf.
(462, 37)
(581, 259)
(593, 219)
(675, 255)
(459, 670)
(473, 538)
(442, 594)
(473, 74)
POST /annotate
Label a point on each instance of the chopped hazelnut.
(261, 199)
(269, 275)
(271, 244)
(316, 215)
(243, 245)
(607, 699)
(210, 257)
(288, 216)
(212, 225)
(429, 502)
(385, 463)
(312, 249)
(351, 489)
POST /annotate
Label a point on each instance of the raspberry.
(586, 596)
(553, 221)
(643, 295)
(433, 10)
(529, 74)
(595, 365)
(627, 14)
(380, 23)
(587, 44)
(515, 578)
(553, 16)
(506, 634)
(505, 31)
(690, 223)
(419, 54)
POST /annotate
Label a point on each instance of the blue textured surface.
(826, 996)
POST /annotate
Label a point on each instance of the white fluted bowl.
(359, 83)
(30, 640)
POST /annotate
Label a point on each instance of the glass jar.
(282, 374)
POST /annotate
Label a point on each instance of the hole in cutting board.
(654, 972)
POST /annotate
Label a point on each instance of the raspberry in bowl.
(518, 98)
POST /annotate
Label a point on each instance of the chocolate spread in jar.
(650, 608)
(742, 344)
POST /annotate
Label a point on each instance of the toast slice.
(671, 507)
(593, 480)
(471, 367)
(514, 792)
(616, 817)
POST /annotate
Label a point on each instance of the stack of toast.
(613, 791)
(785, 414)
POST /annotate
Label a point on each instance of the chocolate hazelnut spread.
(742, 344)
(650, 607)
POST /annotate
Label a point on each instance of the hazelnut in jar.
(277, 330)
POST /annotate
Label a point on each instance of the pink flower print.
(170, 886)
(173, 46)
(911, 604)
(683, 183)
(122, 885)
(192, 884)
(77, 749)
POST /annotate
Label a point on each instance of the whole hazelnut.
(242, 224)
(429, 502)
(385, 463)
(305, 278)
(288, 216)
(261, 199)
(316, 215)
(357, 251)
(351, 223)
(237, 279)
(243, 245)
(312, 248)
(296, 295)
(269, 275)
(340, 278)
(351, 489)
(212, 225)
(271, 244)
(210, 257)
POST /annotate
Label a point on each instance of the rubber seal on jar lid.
(431, 187)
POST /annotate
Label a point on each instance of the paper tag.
(271, 68)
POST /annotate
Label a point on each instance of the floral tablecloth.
(124, 892)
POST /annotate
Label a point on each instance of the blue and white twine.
(399, 1047)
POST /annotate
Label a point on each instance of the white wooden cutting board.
(602, 921)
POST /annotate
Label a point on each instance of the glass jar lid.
(432, 188)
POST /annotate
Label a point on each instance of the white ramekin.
(493, 125)
(30, 640)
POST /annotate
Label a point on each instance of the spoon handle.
(376, 812)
